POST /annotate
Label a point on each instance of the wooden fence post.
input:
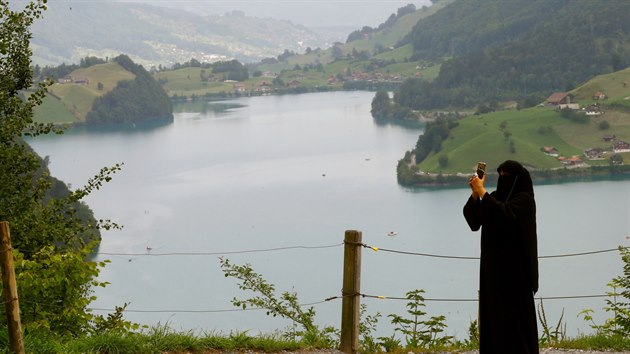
(9, 290)
(351, 291)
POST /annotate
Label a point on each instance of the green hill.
(108, 92)
(521, 135)
(515, 50)
(189, 82)
(70, 102)
(375, 43)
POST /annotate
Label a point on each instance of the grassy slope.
(70, 103)
(391, 36)
(386, 38)
(187, 81)
(480, 138)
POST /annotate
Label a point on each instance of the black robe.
(509, 264)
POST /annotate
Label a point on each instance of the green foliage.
(55, 289)
(617, 302)
(551, 336)
(26, 199)
(390, 344)
(49, 226)
(63, 70)
(473, 334)
(616, 159)
(431, 141)
(419, 332)
(142, 99)
(366, 31)
(621, 309)
(512, 50)
(114, 323)
(232, 70)
(381, 104)
(367, 326)
(443, 161)
(285, 306)
(573, 115)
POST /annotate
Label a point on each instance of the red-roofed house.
(558, 98)
(573, 160)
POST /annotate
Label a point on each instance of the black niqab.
(516, 180)
(509, 262)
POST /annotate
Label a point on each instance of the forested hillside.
(516, 50)
(137, 100)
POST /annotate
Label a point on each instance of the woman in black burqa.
(509, 261)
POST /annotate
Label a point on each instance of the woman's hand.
(477, 186)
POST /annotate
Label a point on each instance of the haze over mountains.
(156, 33)
(313, 14)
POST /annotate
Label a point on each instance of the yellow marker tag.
(374, 248)
(381, 297)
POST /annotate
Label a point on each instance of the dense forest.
(141, 99)
(515, 50)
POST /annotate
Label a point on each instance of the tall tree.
(47, 234)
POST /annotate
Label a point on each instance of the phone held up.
(481, 169)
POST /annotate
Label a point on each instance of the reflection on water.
(130, 128)
(206, 108)
(405, 123)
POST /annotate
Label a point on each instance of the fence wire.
(376, 249)
(329, 299)
(216, 253)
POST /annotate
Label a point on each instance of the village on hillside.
(566, 101)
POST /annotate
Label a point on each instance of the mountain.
(511, 50)
(154, 36)
(313, 14)
(368, 42)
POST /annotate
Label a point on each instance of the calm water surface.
(283, 171)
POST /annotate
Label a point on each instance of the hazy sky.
(311, 13)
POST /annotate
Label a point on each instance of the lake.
(293, 172)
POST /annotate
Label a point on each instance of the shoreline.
(544, 176)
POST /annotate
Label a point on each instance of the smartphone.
(481, 169)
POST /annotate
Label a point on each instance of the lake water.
(293, 171)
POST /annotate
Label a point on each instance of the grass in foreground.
(161, 339)
(595, 342)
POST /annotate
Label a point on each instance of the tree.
(443, 161)
(47, 233)
(337, 52)
(381, 104)
(140, 99)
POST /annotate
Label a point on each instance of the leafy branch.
(285, 306)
